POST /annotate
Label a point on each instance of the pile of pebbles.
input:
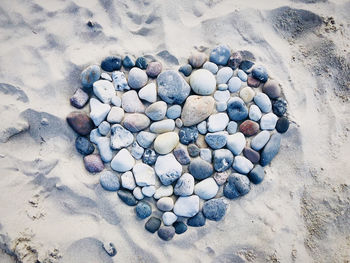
(179, 143)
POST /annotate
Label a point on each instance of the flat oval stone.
(115, 115)
(131, 102)
(242, 165)
(162, 126)
(166, 142)
(212, 67)
(197, 221)
(104, 128)
(109, 181)
(222, 160)
(181, 155)
(172, 88)
(205, 154)
(169, 218)
(223, 75)
(268, 121)
(184, 185)
(98, 111)
(143, 210)
(165, 204)
(236, 109)
(180, 227)
(217, 122)
(144, 174)
(256, 176)
(156, 111)
(242, 75)
(166, 233)
(149, 190)
(90, 75)
(127, 197)
(271, 149)
(137, 78)
(272, 89)
(232, 127)
(186, 206)
(203, 82)
(237, 185)
(249, 128)
(197, 109)
(137, 192)
(84, 146)
(136, 151)
(123, 161)
(260, 140)
(214, 209)
(282, 125)
(260, 73)
(216, 140)
(186, 70)
(163, 191)
(200, 169)
(247, 94)
(168, 169)
(263, 102)
(206, 189)
(220, 55)
(222, 95)
(120, 137)
(136, 122)
(80, 122)
(93, 163)
(174, 112)
(236, 143)
(234, 84)
(254, 113)
(148, 93)
(111, 63)
(153, 69)
(197, 59)
(251, 155)
(153, 224)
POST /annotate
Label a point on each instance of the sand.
(53, 210)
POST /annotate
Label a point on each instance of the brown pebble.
(80, 122)
(93, 163)
(154, 69)
(197, 59)
(251, 155)
(272, 89)
(249, 128)
(252, 82)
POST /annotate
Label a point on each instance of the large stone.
(136, 122)
(137, 78)
(172, 88)
(197, 109)
(166, 142)
(104, 90)
(90, 75)
(184, 185)
(200, 169)
(206, 189)
(215, 209)
(203, 82)
(187, 206)
(168, 169)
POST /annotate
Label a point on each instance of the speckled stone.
(153, 69)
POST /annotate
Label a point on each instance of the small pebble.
(166, 233)
(260, 73)
(166, 142)
(256, 176)
(93, 163)
(234, 84)
(90, 75)
(197, 221)
(163, 191)
(169, 218)
(141, 63)
(221, 106)
(221, 96)
(128, 181)
(263, 102)
(212, 67)
(156, 111)
(220, 55)
(104, 128)
(197, 109)
(260, 140)
(173, 112)
(154, 69)
(188, 135)
(202, 127)
(84, 146)
(234, 60)
(79, 99)
(137, 78)
(168, 169)
(137, 192)
(119, 81)
(193, 150)
(184, 185)
(217, 122)
(186, 70)
(109, 181)
(131, 102)
(221, 178)
(148, 190)
(216, 140)
(98, 111)
(106, 76)
(136, 122)
(247, 94)
(236, 143)
(279, 107)
(282, 125)
(200, 169)
(246, 65)
(271, 149)
(127, 197)
(254, 113)
(252, 82)
(236, 109)
(206, 154)
(251, 155)
(115, 115)
(148, 93)
(197, 59)
(222, 87)
(237, 185)
(203, 82)
(223, 75)
(242, 165)
(123, 161)
(111, 63)
(272, 89)
(178, 123)
(180, 227)
(145, 139)
(143, 174)
(165, 204)
(120, 137)
(181, 155)
(136, 151)
(268, 121)
(153, 224)
(232, 127)
(128, 62)
(149, 157)
(242, 75)
(249, 128)
(143, 209)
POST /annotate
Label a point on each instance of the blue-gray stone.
(216, 140)
(188, 135)
(84, 146)
(214, 209)
(237, 185)
(260, 73)
(256, 176)
(279, 107)
(236, 109)
(263, 102)
(232, 127)
(143, 209)
(173, 112)
(111, 63)
(197, 221)
(246, 65)
(193, 150)
(186, 69)
(212, 67)
(166, 232)
(149, 157)
(137, 151)
(90, 75)
(222, 160)
(141, 63)
(271, 149)
(221, 106)
(282, 125)
(145, 139)
(242, 75)
(109, 181)
(127, 197)
(153, 224)
(200, 169)
(128, 62)
(220, 55)
(180, 227)
(104, 128)
(202, 127)
(172, 88)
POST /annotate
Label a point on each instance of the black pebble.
(279, 107)
(186, 69)
(128, 62)
(197, 220)
(153, 224)
(282, 125)
(84, 146)
(180, 227)
(111, 63)
(141, 63)
(246, 65)
(127, 197)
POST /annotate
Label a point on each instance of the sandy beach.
(53, 210)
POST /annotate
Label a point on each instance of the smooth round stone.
(137, 192)
(220, 55)
(236, 109)
(153, 69)
(184, 185)
(279, 107)
(111, 63)
(119, 81)
(136, 122)
(197, 109)
(222, 96)
(212, 67)
(169, 218)
(172, 88)
(137, 78)
(84, 146)
(242, 75)
(221, 106)
(120, 137)
(223, 75)
(202, 127)
(181, 155)
(197, 59)
(178, 123)
(222, 87)
(249, 128)
(237, 185)
(90, 75)
(206, 189)
(166, 233)
(168, 169)
(253, 82)
(128, 181)
(188, 135)
(272, 89)
(127, 197)
(104, 128)
(260, 140)
(234, 60)
(131, 102)
(162, 126)
(214, 209)
(186, 70)
(149, 157)
(148, 93)
(251, 155)
(143, 209)
(256, 176)
(93, 163)
(79, 99)
(200, 169)
(115, 115)
(166, 142)
(141, 63)
(222, 160)
(109, 181)
(242, 165)
(163, 191)
(254, 113)
(263, 102)
(206, 154)
(246, 65)
(268, 121)
(143, 174)
(123, 161)
(232, 127)
(234, 84)
(153, 224)
(148, 190)
(217, 122)
(236, 143)
(203, 82)
(197, 221)
(247, 94)
(145, 139)
(282, 125)
(173, 112)
(128, 62)
(180, 227)
(216, 140)
(186, 206)
(260, 73)
(103, 146)
(165, 204)
(221, 178)
(98, 111)
(193, 150)
(156, 111)
(271, 149)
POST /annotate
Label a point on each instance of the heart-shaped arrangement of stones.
(181, 140)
